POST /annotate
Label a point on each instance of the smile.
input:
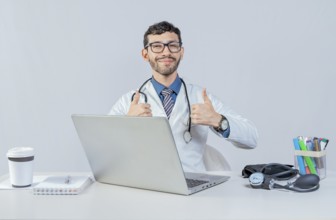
(166, 60)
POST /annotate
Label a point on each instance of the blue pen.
(309, 143)
(310, 147)
(302, 168)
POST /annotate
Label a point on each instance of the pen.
(307, 159)
(324, 141)
(299, 158)
(67, 180)
(310, 147)
(309, 143)
(317, 147)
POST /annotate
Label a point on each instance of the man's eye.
(156, 46)
(174, 46)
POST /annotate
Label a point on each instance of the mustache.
(164, 57)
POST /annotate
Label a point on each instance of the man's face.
(165, 62)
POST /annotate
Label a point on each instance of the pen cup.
(311, 162)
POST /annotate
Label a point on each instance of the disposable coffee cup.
(20, 162)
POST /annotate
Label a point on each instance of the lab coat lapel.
(180, 110)
(155, 101)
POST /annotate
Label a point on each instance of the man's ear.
(182, 53)
(144, 54)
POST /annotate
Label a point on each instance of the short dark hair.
(160, 28)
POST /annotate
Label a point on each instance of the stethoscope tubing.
(187, 135)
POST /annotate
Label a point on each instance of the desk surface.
(234, 199)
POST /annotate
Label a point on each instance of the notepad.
(62, 185)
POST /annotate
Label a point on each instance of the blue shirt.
(176, 86)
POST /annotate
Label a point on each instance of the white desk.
(231, 200)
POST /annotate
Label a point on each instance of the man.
(167, 95)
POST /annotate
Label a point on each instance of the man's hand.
(136, 109)
(205, 114)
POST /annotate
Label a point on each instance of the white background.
(274, 62)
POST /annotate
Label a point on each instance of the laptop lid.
(136, 152)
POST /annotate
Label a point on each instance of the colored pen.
(317, 147)
(324, 142)
(307, 159)
(299, 158)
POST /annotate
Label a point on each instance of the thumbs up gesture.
(204, 113)
(139, 109)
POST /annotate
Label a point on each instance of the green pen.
(306, 158)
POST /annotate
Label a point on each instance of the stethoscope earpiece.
(187, 134)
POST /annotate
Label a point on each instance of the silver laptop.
(137, 152)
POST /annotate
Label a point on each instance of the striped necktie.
(168, 102)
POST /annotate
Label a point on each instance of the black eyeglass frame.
(164, 46)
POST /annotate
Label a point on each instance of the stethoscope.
(186, 135)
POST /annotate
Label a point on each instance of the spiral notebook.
(62, 185)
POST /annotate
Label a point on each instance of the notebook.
(62, 185)
(137, 152)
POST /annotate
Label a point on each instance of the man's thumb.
(136, 98)
(205, 96)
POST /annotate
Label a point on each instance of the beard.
(163, 69)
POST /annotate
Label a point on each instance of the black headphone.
(304, 183)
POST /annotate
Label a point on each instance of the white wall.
(272, 61)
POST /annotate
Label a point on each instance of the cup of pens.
(310, 155)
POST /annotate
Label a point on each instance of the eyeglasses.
(158, 47)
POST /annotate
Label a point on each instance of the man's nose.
(166, 50)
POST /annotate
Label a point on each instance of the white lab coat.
(242, 132)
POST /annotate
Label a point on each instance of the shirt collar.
(175, 86)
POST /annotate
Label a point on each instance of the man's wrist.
(222, 124)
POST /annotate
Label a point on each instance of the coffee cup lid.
(20, 152)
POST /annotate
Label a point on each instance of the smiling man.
(191, 111)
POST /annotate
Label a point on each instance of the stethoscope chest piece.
(187, 136)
